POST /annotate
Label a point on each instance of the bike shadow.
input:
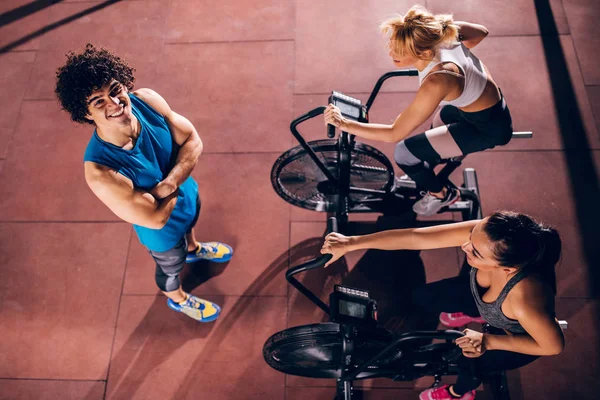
(389, 276)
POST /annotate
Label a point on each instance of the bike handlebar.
(384, 77)
(332, 226)
(318, 262)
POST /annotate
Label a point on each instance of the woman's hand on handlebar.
(335, 244)
(472, 344)
(333, 116)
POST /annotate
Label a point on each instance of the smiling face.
(479, 250)
(110, 106)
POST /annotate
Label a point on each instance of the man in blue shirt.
(138, 163)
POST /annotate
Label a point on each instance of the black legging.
(454, 295)
(471, 131)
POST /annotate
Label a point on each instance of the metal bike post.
(344, 386)
(343, 390)
(471, 184)
(344, 160)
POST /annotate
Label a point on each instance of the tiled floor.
(80, 316)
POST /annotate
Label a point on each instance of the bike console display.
(352, 306)
(349, 106)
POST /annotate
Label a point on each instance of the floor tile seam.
(21, 51)
(566, 16)
(112, 346)
(167, 43)
(99, 1)
(22, 100)
(578, 66)
(40, 99)
(61, 222)
(52, 379)
(354, 93)
(565, 150)
(311, 221)
(262, 153)
(529, 35)
(164, 31)
(266, 296)
(287, 289)
(298, 386)
(289, 208)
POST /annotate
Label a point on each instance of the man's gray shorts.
(170, 263)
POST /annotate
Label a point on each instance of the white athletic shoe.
(430, 205)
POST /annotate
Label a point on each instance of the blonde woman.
(474, 116)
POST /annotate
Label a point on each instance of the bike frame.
(345, 144)
(349, 373)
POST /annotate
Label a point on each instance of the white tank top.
(471, 67)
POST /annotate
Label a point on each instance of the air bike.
(351, 346)
(342, 176)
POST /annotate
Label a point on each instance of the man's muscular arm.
(125, 201)
(184, 134)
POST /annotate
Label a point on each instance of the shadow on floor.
(136, 365)
(16, 43)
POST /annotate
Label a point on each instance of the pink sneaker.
(455, 320)
(442, 393)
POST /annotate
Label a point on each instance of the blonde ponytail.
(418, 31)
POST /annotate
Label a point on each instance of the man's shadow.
(138, 356)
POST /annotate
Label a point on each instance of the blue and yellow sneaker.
(197, 308)
(212, 251)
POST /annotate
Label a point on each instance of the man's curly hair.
(85, 73)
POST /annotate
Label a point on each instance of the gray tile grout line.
(289, 207)
(22, 51)
(358, 387)
(52, 379)
(16, 124)
(264, 40)
(287, 297)
(275, 296)
(579, 70)
(312, 93)
(118, 312)
(61, 222)
(228, 42)
(98, 1)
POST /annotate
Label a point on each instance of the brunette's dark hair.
(520, 241)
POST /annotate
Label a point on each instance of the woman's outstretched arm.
(432, 237)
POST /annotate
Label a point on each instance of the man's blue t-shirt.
(148, 163)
